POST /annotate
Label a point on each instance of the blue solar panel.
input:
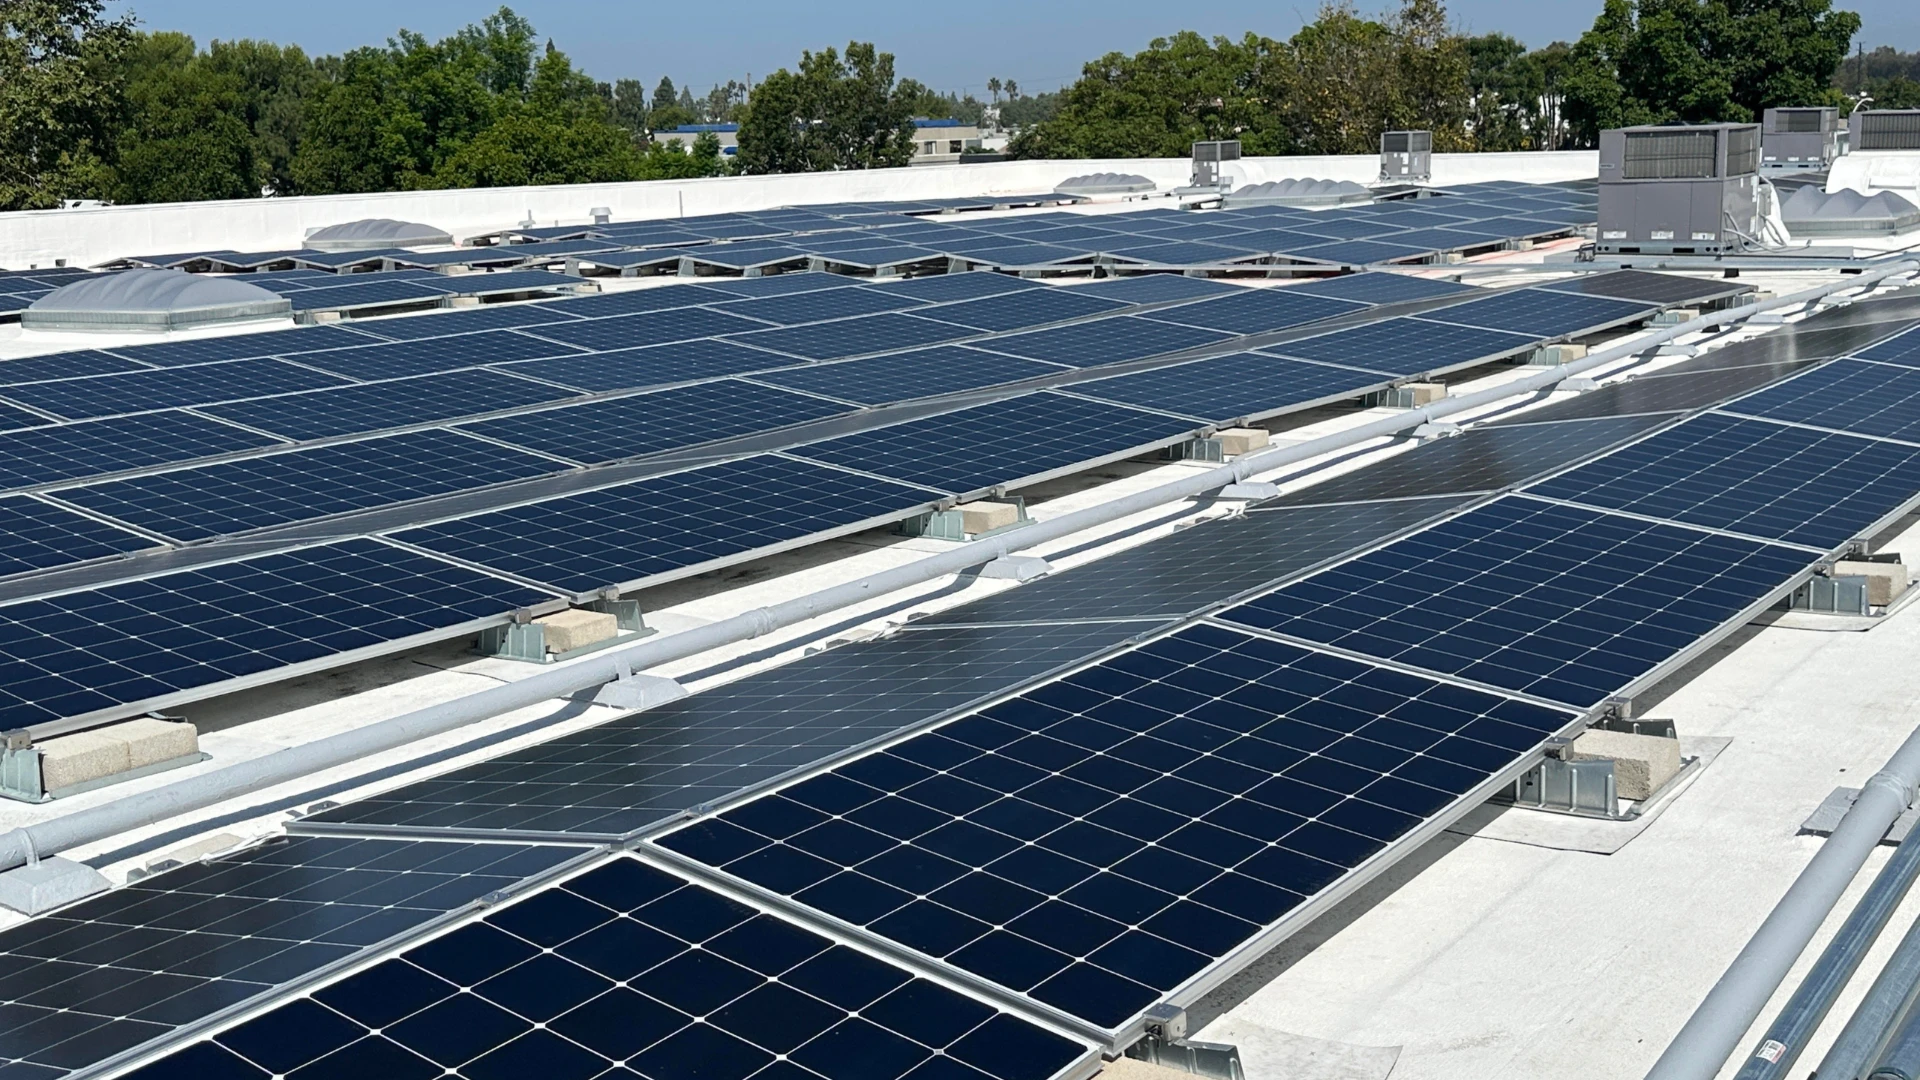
(1383, 288)
(1099, 840)
(226, 497)
(1902, 349)
(945, 288)
(997, 252)
(47, 455)
(627, 965)
(1849, 395)
(1022, 310)
(1230, 387)
(856, 337)
(1565, 603)
(504, 281)
(868, 255)
(1256, 311)
(365, 294)
(646, 328)
(1407, 346)
(653, 365)
(463, 321)
(13, 418)
(1001, 442)
(425, 356)
(1357, 252)
(37, 536)
(630, 302)
(1542, 313)
(144, 391)
(1106, 341)
(370, 407)
(818, 305)
(627, 260)
(744, 257)
(1156, 288)
(882, 380)
(602, 431)
(663, 525)
(66, 365)
(241, 346)
(1340, 225)
(120, 645)
(1753, 477)
(778, 284)
(1181, 254)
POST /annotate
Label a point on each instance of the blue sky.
(949, 46)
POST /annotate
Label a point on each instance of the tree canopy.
(835, 112)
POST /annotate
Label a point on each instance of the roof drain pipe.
(1714, 1030)
(1882, 1011)
(1901, 1060)
(1783, 1042)
(141, 809)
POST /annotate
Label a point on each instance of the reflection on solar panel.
(653, 365)
(38, 536)
(125, 967)
(941, 288)
(668, 524)
(1407, 346)
(353, 410)
(1753, 477)
(1106, 341)
(1001, 442)
(1557, 601)
(645, 328)
(818, 305)
(1256, 311)
(66, 365)
(1157, 288)
(1377, 288)
(1868, 399)
(1097, 841)
(882, 380)
(643, 768)
(627, 964)
(119, 646)
(603, 431)
(464, 321)
(1902, 349)
(47, 455)
(257, 492)
(1230, 387)
(856, 337)
(399, 359)
(1541, 313)
(143, 391)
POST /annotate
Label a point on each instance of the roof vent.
(602, 215)
(155, 300)
(1104, 183)
(1812, 212)
(372, 234)
(1307, 192)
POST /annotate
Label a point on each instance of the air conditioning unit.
(1406, 156)
(1799, 140)
(1207, 158)
(1669, 190)
(1883, 155)
(1886, 129)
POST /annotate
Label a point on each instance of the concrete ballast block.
(1885, 581)
(1642, 764)
(1241, 440)
(151, 741)
(85, 755)
(986, 516)
(577, 629)
(1555, 355)
(1425, 393)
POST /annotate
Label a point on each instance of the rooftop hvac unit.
(1800, 140)
(1679, 190)
(1884, 155)
(1886, 129)
(1207, 157)
(1406, 156)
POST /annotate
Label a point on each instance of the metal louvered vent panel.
(1743, 150)
(1669, 155)
(1886, 129)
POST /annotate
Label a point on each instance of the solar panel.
(1851, 395)
(1000, 442)
(120, 969)
(659, 257)
(631, 301)
(257, 492)
(1752, 477)
(1106, 341)
(1379, 288)
(13, 418)
(1541, 313)
(818, 305)
(1256, 311)
(139, 643)
(663, 525)
(40, 536)
(365, 294)
(628, 964)
(1242, 385)
(1022, 310)
(369, 407)
(863, 253)
(1098, 841)
(66, 365)
(743, 257)
(1649, 287)
(884, 332)
(46, 455)
(945, 288)
(462, 321)
(996, 252)
(425, 356)
(778, 284)
(1678, 392)
(145, 391)
(645, 328)
(1181, 253)
(652, 365)
(241, 346)
(1564, 603)
(1156, 288)
(883, 380)
(640, 769)
(1902, 349)
(604, 431)
(1339, 225)
(1408, 346)
(1358, 252)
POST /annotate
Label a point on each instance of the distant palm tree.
(1013, 89)
(993, 88)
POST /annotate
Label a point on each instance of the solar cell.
(944, 288)
(13, 418)
(1541, 313)
(645, 328)
(628, 964)
(462, 321)
(39, 536)
(369, 407)
(1099, 840)
(1902, 349)
(652, 365)
(626, 427)
(818, 305)
(1650, 287)
(241, 346)
(1256, 311)
(257, 492)
(1000, 442)
(1106, 341)
(667, 524)
(1408, 346)
(883, 380)
(49, 454)
(884, 332)
(1222, 388)
(1850, 395)
(778, 284)
(630, 302)
(128, 966)
(145, 391)
(1753, 477)
(136, 644)
(1156, 288)
(1379, 288)
(1357, 252)
(1564, 603)
(425, 356)
(997, 253)
(1022, 310)
(66, 365)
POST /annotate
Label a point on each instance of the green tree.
(1027, 110)
(671, 161)
(1337, 90)
(833, 113)
(274, 84)
(59, 88)
(627, 104)
(666, 113)
(186, 136)
(930, 104)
